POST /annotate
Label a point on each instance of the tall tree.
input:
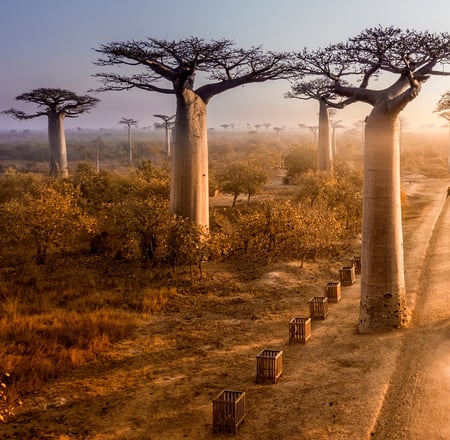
(168, 125)
(56, 104)
(129, 122)
(321, 90)
(277, 131)
(334, 126)
(171, 67)
(409, 57)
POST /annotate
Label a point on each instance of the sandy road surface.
(417, 404)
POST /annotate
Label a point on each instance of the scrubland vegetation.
(86, 258)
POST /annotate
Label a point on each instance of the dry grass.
(51, 325)
(155, 299)
(36, 348)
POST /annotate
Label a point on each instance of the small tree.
(56, 104)
(241, 178)
(187, 246)
(311, 186)
(299, 160)
(129, 122)
(178, 64)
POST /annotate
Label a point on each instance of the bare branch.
(320, 89)
(18, 114)
(114, 82)
(179, 61)
(412, 55)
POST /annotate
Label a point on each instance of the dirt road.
(417, 404)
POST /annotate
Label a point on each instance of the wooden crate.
(228, 411)
(269, 365)
(356, 261)
(333, 291)
(300, 330)
(318, 307)
(347, 275)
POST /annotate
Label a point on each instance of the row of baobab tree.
(336, 76)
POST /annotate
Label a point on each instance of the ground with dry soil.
(159, 384)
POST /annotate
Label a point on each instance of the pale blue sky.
(49, 43)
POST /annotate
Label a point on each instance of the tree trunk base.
(376, 316)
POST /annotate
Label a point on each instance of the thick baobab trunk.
(58, 149)
(325, 153)
(383, 302)
(189, 195)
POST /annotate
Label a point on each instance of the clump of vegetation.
(155, 299)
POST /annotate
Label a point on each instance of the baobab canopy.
(178, 62)
(411, 55)
(53, 100)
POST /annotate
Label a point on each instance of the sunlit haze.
(49, 43)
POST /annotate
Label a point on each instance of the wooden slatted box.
(228, 411)
(300, 330)
(347, 275)
(333, 291)
(318, 307)
(269, 365)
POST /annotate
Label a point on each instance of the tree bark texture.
(189, 194)
(383, 296)
(58, 148)
(325, 152)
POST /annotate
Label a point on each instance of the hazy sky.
(49, 43)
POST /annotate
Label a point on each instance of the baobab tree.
(277, 131)
(314, 129)
(409, 57)
(129, 122)
(321, 90)
(443, 108)
(168, 124)
(56, 104)
(334, 126)
(171, 67)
